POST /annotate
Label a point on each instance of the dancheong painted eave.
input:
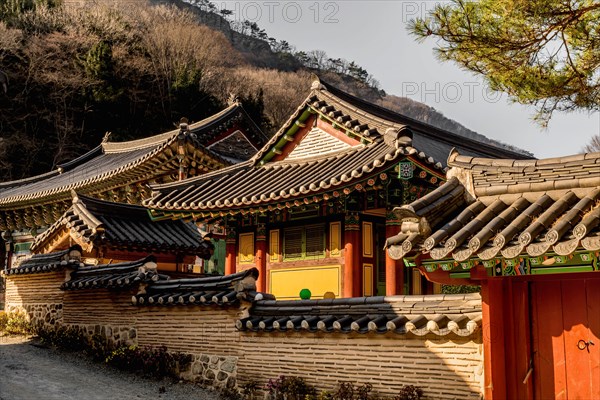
(281, 175)
(492, 209)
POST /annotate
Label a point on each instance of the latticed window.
(304, 242)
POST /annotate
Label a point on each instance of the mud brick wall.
(206, 332)
(193, 329)
(102, 312)
(443, 368)
(38, 295)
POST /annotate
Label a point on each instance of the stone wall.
(213, 370)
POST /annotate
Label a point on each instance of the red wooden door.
(566, 344)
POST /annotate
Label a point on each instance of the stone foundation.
(212, 370)
(116, 335)
(48, 315)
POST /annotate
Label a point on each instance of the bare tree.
(593, 145)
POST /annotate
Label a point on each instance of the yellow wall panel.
(274, 245)
(246, 255)
(286, 284)
(367, 279)
(367, 245)
(335, 239)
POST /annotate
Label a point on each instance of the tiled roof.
(115, 225)
(124, 163)
(114, 276)
(419, 315)
(212, 290)
(505, 208)
(38, 263)
(246, 185)
(504, 177)
(381, 140)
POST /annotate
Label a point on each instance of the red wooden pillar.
(494, 330)
(352, 267)
(230, 250)
(394, 269)
(261, 257)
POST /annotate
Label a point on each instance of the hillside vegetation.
(75, 71)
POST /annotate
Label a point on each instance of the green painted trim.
(460, 275)
(158, 216)
(410, 262)
(561, 270)
(22, 247)
(290, 132)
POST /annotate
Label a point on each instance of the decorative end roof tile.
(38, 263)
(418, 315)
(222, 290)
(113, 276)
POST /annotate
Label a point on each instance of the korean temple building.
(364, 208)
(313, 207)
(121, 172)
(108, 232)
(528, 232)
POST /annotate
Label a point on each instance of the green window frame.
(304, 242)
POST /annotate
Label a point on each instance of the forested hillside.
(71, 72)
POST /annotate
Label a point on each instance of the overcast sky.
(374, 35)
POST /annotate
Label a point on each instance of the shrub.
(156, 362)
(67, 338)
(410, 392)
(3, 321)
(460, 289)
(17, 323)
(289, 388)
(323, 395)
(250, 389)
(347, 391)
(231, 394)
(98, 347)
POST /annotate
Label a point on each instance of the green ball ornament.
(305, 294)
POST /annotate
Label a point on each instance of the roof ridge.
(455, 159)
(137, 144)
(87, 200)
(415, 124)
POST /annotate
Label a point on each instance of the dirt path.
(30, 372)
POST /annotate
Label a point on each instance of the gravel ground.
(29, 371)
